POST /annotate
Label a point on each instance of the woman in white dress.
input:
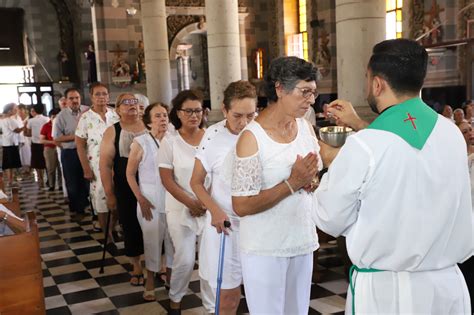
(277, 158)
(239, 107)
(150, 193)
(88, 137)
(184, 213)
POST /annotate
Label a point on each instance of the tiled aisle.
(71, 254)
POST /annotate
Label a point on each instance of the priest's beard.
(372, 102)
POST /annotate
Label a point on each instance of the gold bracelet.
(289, 186)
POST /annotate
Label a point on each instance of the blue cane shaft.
(219, 272)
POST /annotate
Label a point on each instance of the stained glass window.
(393, 19)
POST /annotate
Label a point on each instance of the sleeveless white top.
(148, 176)
(287, 229)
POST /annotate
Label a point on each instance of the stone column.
(183, 72)
(223, 42)
(243, 47)
(360, 24)
(155, 39)
(179, 72)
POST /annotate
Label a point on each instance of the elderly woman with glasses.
(114, 153)
(89, 133)
(184, 212)
(277, 159)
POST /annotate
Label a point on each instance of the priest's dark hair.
(177, 102)
(402, 63)
(287, 71)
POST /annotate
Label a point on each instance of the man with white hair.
(458, 116)
(143, 103)
(62, 102)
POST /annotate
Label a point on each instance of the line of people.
(172, 189)
(26, 141)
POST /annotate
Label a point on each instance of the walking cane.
(221, 268)
(106, 236)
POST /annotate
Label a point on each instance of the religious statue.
(323, 57)
(120, 68)
(90, 56)
(63, 62)
(141, 62)
(427, 25)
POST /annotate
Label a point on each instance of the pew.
(21, 278)
(13, 203)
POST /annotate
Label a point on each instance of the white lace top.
(287, 229)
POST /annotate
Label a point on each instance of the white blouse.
(178, 155)
(287, 229)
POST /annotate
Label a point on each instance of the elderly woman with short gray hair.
(277, 159)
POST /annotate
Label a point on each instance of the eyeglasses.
(129, 101)
(101, 94)
(189, 112)
(306, 93)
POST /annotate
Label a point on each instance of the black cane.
(106, 236)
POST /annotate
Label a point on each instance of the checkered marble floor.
(71, 253)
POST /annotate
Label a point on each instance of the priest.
(399, 191)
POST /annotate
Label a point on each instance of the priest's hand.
(328, 153)
(345, 115)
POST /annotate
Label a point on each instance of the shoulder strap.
(118, 130)
(154, 140)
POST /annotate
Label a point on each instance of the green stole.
(412, 120)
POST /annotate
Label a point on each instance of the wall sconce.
(131, 11)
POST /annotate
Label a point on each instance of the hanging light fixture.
(115, 3)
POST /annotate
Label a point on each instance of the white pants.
(277, 285)
(184, 243)
(209, 256)
(440, 292)
(155, 232)
(63, 181)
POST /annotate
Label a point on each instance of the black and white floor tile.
(71, 252)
